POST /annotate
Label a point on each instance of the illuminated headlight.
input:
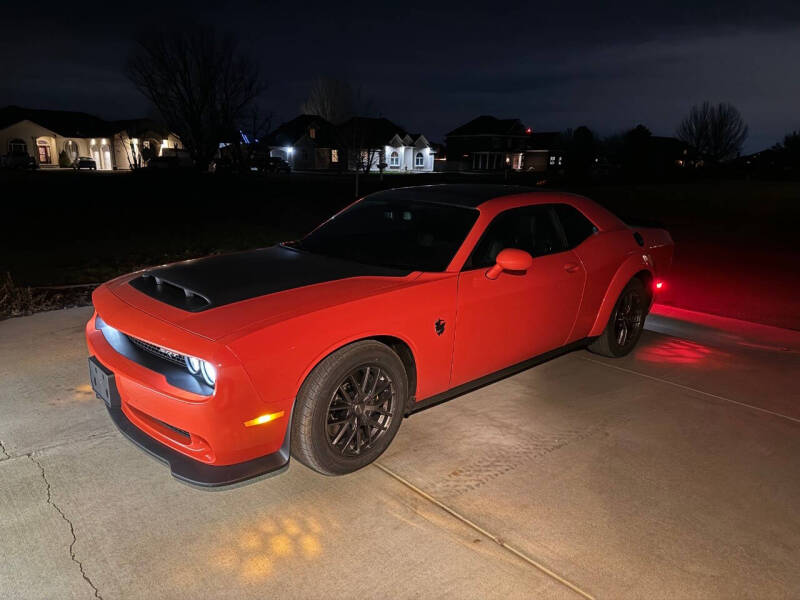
(202, 368)
(193, 364)
(209, 372)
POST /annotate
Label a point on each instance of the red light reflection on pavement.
(683, 352)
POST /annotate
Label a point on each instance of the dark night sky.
(436, 66)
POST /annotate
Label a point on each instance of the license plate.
(100, 378)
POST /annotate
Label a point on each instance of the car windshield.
(403, 234)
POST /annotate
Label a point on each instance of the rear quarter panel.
(610, 258)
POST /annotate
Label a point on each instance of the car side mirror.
(510, 259)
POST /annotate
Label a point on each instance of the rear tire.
(626, 322)
(349, 408)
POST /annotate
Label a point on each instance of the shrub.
(14, 300)
(63, 160)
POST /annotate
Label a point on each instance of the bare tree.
(200, 82)
(716, 132)
(347, 107)
(126, 142)
(254, 126)
(332, 99)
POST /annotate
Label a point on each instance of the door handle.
(571, 267)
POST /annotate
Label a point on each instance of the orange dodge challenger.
(225, 366)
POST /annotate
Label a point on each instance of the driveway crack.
(4, 455)
(71, 528)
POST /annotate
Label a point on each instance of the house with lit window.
(544, 152)
(377, 141)
(56, 138)
(487, 144)
(307, 143)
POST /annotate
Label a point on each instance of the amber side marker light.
(263, 419)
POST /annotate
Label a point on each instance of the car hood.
(220, 295)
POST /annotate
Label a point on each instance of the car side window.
(576, 226)
(530, 228)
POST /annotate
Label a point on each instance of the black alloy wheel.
(361, 410)
(626, 323)
(349, 408)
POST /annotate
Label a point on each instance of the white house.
(55, 138)
(408, 152)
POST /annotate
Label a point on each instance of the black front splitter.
(187, 469)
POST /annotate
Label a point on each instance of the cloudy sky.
(430, 66)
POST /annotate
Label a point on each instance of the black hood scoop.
(205, 283)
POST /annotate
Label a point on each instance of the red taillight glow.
(659, 285)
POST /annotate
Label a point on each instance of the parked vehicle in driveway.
(84, 162)
(276, 165)
(19, 160)
(171, 158)
(223, 165)
(226, 365)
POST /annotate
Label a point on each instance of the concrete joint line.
(496, 539)
(71, 527)
(691, 389)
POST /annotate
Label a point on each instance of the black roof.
(63, 122)
(371, 131)
(489, 125)
(291, 131)
(470, 195)
(140, 127)
(77, 124)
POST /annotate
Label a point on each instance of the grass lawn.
(736, 253)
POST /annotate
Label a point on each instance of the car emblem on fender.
(439, 326)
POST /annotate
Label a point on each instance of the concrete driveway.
(672, 473)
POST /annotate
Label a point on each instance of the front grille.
(173, 357)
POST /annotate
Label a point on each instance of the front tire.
(349, 408)
(626, 323)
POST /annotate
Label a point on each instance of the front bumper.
(183, 467)
(204, 438)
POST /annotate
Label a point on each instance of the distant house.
(667, 153)
(544, 152)
(379, 141)
(487, 144)
(307, 142)
(56, 138)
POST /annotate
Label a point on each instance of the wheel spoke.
(375, 383)
(376, 424)
(623, 334)
(383, 386)
(346, 395)
(354, 425)
(341, 432)
(366, 380)
(380, 411)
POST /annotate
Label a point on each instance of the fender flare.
(630, 267)
(338, 345)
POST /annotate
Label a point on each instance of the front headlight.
(193, 364)
(209, 372)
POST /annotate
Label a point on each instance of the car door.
(504, 321)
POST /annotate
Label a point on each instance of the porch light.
(264, 419)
